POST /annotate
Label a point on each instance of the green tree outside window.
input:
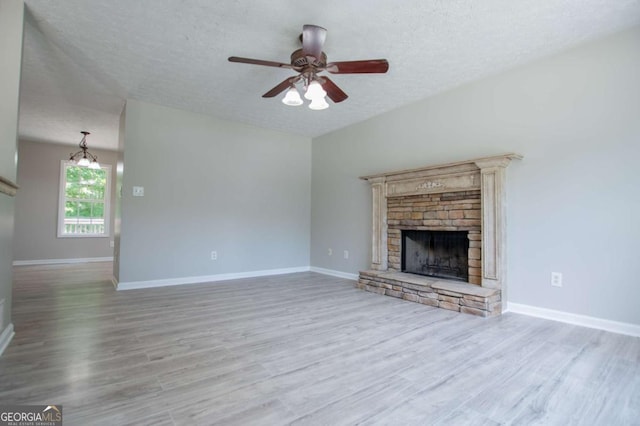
(84, 200)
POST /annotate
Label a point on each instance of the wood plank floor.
(299, 349)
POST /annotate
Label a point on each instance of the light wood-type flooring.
(299, 349)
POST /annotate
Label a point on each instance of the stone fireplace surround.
(449, 211)
(463, 196)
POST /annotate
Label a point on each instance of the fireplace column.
(493, 193)
(379, 249)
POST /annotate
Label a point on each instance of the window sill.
(85, 236)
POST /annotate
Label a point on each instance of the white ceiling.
(83, 58)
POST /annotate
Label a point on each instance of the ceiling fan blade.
(333, 91)
(279, 88)
(259, 62)
(369, 66)
(313, 38)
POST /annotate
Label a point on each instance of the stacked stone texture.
(450, 211)
(485, 305)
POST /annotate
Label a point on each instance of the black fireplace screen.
(443, 254)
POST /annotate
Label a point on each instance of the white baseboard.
(5, 337)
(333, 273)
(569, 318)
(61, 261)
(132, 285)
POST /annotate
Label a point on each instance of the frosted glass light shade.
(292, 98)
(84, 162)
(94, 165)
(318, 104)
(315, 91)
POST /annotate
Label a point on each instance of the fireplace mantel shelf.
(8, 187)
(497, 159)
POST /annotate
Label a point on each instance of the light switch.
(138, 191)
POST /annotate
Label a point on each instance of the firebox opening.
(442, 254)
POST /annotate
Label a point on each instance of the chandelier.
(83, 157)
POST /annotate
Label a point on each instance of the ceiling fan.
(308, 62)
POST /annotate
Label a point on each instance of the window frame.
(64, 164)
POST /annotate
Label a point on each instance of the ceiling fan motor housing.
(298, 59)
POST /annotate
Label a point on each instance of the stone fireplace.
(438, 235)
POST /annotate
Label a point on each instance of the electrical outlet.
(138, 191)
(214, 255)
(556, 279)
(330, 252)
(346, 254)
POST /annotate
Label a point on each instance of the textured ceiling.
(83, 58)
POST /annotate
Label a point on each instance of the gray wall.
(11, 25)
(210, 184)
(36, 222)
(573, 201)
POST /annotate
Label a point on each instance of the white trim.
(114, 281)
(582, 320)
(333, 273)
(5, 337)
(8, 187)
(60, 261)
(132, 285)
(84, 236)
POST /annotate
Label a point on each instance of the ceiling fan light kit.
(314, 91)
(318, 104)
(292, 97)
(308, 62)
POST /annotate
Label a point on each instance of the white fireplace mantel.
(484, 174)
(8, 187)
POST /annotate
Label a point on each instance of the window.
(83, 209)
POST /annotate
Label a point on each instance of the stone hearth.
(452, 295)
(465, 196)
